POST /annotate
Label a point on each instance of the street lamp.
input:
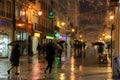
(62, 23)
(39, 13)
(112, 27)
(73, 30)
(23, 12)
(111, 17)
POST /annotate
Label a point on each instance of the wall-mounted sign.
(37, 34)
(49, 37)
(57, 35)
(51, 15)
(4, 23)
(63, 37)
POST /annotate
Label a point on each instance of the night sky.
(92, 9)
(92, 17)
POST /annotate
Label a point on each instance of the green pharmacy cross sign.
(51, 15)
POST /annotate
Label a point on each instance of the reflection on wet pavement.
(70, 69)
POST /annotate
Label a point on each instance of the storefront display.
(3, 45)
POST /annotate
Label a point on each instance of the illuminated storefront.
(3, 45)
(23, 31)
(5, 38)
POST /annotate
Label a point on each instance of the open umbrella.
(61, 42)
(98, 43)
(20, 42)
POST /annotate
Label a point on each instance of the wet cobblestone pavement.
(71, 68)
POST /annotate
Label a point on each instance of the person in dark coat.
(39, 48)
(59, 51)
(100, 49)
(50, 56)
(14, 59)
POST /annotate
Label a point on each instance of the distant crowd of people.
(98, 49)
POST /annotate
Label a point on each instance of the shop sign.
(49, 37)
(37, 34)
(63, 37)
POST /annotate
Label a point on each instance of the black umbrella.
(20, 42)
(98, 43)
(61, 42)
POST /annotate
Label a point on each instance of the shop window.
(3, 45)
(24, 36)
(21, 36)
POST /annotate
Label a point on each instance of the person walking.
(14, 59)
(39, 48)
(59, 50)
(50, 56)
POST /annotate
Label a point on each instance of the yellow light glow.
(111, 17)
(37, 34)
(23, 13)
(103, 34)
(39, 13)
(58, 23)
(81, 40)
(72, 76)
(20, 24)
(62, 23)
(73, 30)
(72, 65)
(108, 37)
(80, 36)
(62, 76)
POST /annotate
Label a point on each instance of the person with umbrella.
(50, 56)
(60, 43)
(100, 49)
(14, 59)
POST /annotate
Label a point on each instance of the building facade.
(5, 27)
(46, 23)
